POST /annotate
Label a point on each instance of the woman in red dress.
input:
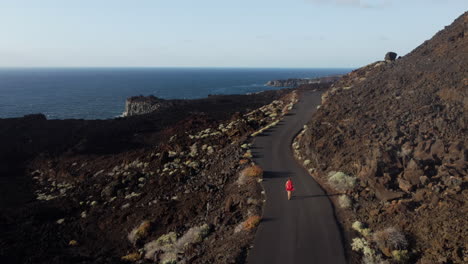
(289, 188)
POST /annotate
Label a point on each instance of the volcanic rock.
(390, 56)
(139, 105)
(401, 128)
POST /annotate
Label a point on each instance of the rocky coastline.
(140, 105)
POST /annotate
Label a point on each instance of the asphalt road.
(304, 229)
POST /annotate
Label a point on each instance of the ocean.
(100, 93)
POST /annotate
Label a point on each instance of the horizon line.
(165, 67)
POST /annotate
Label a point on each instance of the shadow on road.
(303, 197)
(267, 219)
(276, 174)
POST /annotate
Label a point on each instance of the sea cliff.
(138, 105)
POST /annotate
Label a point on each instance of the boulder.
(384, 195)
(423, 179)
(422, 150)
(405, 185)
(420, 195)
(412, 173)
(390, 56)
(438, 149)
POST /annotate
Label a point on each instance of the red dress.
(289, 186)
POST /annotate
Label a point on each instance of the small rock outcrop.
(138, 105)
(390, 56)
(298, 82)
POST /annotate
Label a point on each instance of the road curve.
(304, 229)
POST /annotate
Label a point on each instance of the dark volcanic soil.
(400, 128)
(73, 190)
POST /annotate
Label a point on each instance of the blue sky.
(215, 33)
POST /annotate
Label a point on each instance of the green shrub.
(193, 235)
(340, 181)
(358, 226)
(170, 246)
(370, 256)
(344, 201)
(163, 243)
(169, 258)
(401, 256)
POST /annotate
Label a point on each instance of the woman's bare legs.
(289, 195)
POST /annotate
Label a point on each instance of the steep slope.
(400, 128)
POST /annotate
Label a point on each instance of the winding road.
(304, 229)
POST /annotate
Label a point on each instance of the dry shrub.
(248, 155)
(249, 173)
(139, 232)
(252, 222)
(253, 171)
(243, 161)
(390, 238)
(132, 257)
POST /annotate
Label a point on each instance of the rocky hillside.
(176, 185)
(391, 137)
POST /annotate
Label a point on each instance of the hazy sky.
(220, 33)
